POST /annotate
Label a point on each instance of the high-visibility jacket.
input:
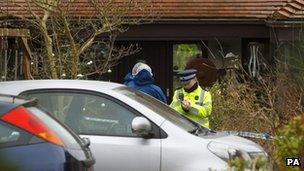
(201, 105)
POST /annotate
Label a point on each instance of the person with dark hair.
(142, 79)
(191, 100)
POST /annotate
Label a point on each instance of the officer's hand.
(186, 105)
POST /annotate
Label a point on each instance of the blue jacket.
(143, 82)
(129, 80)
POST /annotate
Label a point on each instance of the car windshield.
(158, 107)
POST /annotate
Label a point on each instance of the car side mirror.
(141, 126)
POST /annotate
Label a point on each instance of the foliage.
(257, 164)
(183, 52)
(66, 40)
(260, 105)
(236, 107)
(290, 143)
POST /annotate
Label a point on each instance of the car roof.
(16, 87)
(9, 102)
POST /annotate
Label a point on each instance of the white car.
(130, 131)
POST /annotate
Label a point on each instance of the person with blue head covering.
(191, 100)
(142, 79)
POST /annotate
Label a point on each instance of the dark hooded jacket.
(129, 80)
(143, 82)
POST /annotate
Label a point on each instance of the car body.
(32, 140)
(132, 131)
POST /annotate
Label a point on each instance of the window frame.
(157, 132)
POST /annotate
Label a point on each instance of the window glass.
(87, 113)
(69, 140)
(158, 107)
(12, 136)
(182, 53)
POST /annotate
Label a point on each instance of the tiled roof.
(189, 9)
(292, 9)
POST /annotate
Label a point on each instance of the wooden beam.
(12, 32)
(182, 32)
(26, 59)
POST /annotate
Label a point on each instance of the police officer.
(191, 100)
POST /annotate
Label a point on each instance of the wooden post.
(22, 35)
(26, 59)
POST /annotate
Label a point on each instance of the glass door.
(182, 53)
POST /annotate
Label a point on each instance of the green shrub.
(237, 107)
(258, 164)
(262, 105)
(290, 143)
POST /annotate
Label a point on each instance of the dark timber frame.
(22, 35)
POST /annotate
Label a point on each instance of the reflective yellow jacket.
(201, 104)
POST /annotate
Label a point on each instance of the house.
(212, 29)
(216, 28)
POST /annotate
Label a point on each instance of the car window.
(69, 139)
(12, 136)
(87, 113)
(158, 107)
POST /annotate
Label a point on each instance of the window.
(158, 107)
(69, 139)
(12, 136)
(182, 53)
(87, 113)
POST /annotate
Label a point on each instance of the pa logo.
(293, 162)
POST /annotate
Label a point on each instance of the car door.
(107, 123)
